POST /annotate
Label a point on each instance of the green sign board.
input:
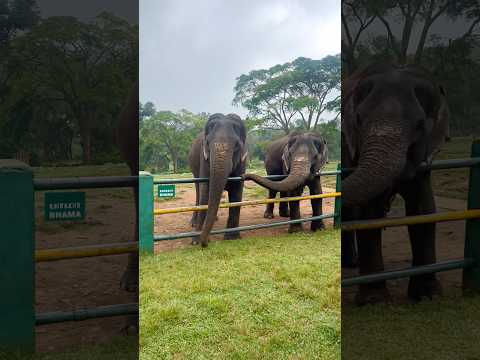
(64, 206)
(166, 191)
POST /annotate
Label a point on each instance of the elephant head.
(224, 151)
(303, 156)
(393, 118)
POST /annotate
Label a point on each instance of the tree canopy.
(284, 95)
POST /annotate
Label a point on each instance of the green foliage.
(66, 79)
(285, 94)
(166, 137)
(453, 58)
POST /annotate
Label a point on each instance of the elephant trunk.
(382, 160)
(220, 168)
(298, 176)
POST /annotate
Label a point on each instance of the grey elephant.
(217, 153)
(127, 139)
(393, 118)
(300, 156)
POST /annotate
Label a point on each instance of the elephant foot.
(424, 286)
(372, 294)
(129, 280)
(295, 228)
(232, 236)
(131, 326)
(193, 223)
(284, 212)
(268, 215)
(317, 225)
(195, 240)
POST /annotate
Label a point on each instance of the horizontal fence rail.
(440, 164)
(85, 314)
(236, 178)
(412, 271)
(245, 203)
(77, 252)
(242, 228)
(410, 220)
(85, 183)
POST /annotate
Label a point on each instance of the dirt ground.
(176, 223)
(397, 254)
(83, 283)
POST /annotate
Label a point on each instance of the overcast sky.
(191, 52)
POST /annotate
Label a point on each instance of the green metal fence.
(18, 254)
(147, 213)
(471, 262)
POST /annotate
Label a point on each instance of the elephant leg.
(371, 261)
(419, 200)
(195, 213)
(203, 200)
(316, 188)
(234, 195)
(283, 207)
(269, 208)
(295, 211)
(348, 248)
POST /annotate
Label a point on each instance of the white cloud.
(191, 52)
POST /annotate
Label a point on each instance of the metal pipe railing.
(244, 203)
(85, 314)
(412, 271)
(84, 182)
(241, 228)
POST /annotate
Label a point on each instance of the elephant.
(127, 140)
(393, 119)
(217, 153)
(299, 156)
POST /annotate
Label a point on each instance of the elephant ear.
(348, 130)
(440, 129)
(321, 146)
(286, 158)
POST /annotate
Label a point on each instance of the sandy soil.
(397, 254)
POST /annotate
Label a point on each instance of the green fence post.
(471, 276)
(337, 220)
(145, 227)
(17, 261)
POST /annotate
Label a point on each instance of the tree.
(303, 88)
(166, 137)
(146, 110)
(360, 14)
(88, 66)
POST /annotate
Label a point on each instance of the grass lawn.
(122, 348)
(445, 329)
(256, 298)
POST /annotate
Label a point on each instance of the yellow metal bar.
(85, 251)
(410, 220)
(245, 203)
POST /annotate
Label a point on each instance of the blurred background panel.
(442, 37)
(66, 72)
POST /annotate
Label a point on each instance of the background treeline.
(300, 95)
(410, 31)
(63, 83)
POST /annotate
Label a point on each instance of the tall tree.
(302, 89)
